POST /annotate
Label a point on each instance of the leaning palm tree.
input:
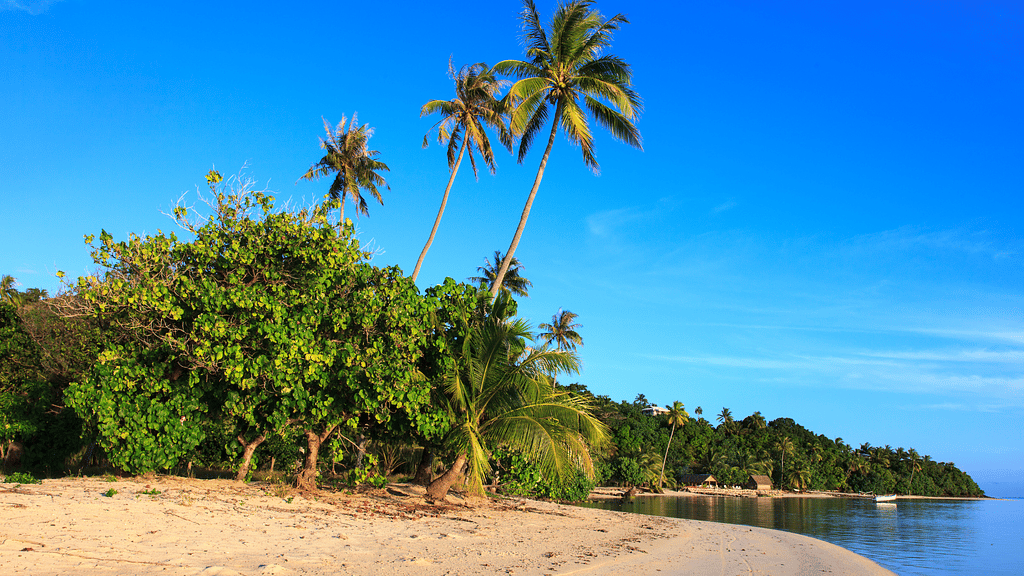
(512, 281)
(461, 127)
(500, 393)
(355, 165)
(677, 416)
(565, 66)
(562, 331)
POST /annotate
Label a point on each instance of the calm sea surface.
(932, 537)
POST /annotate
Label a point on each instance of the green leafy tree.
(24, 393)
(677, 416)
(562, 331)
(501, 394)
(462, 127)
(272, 319)
(512, 281)
(568, 71)
(355, 166)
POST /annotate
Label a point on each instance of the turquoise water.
(910, 537)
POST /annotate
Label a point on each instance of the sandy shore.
(218, 527)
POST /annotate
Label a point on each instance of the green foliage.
(24, 392)
(110, 493)
(150, 492)
(519, 475)
(268, 321)
(21, 478)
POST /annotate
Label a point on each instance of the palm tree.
(512, 281)
(565, 66)
(784, 446)
(500, 393)
(676, 417)
(8, 289)
(461, 126)
(726, 420)
(562, 331)
(915, 466)
(356, 165)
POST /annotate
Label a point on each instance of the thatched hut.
(697, 480)
(758, 482)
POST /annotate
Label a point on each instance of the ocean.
(909, 537)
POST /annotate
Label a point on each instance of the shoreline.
(602, 493)
(180, 526)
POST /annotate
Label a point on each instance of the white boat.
(885, 498)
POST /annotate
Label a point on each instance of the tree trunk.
(361, 442)
(249, 448)
(665, 459)
(306, 479)
(438, 489)
(444, 202)
(500, 277)
(425, 469)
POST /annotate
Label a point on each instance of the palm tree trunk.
(661, 479)
(526, 210)
(444, 202)
(424, 471)
(438, 489)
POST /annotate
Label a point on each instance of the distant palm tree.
(915, 465)
(677, 416)
(562, 331)
(8, 289)
(784, 446)
(355, 165)
(512, 281)
(461, 127)
(567, 65)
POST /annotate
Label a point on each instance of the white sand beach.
(219, 527)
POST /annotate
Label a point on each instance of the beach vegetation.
(501, 393)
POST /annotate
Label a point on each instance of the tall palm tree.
(355, 165)
(785, 446)
(500, 393)
(914, 459)
(565, 66)
(461, 126)
(512, 281)
(677, 416)
(562, 331)
(8, 289)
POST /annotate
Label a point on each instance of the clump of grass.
(151, 492)
(21, 478)
(110, 493)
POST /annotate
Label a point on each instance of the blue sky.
(824, 224)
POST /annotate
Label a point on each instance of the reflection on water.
(931, 537)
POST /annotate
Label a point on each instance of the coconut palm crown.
(355, 165)
(562, 331)
(462, 127)
(567, 70)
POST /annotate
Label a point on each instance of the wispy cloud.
(34, 7)
(607, 222)
(724, 206)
